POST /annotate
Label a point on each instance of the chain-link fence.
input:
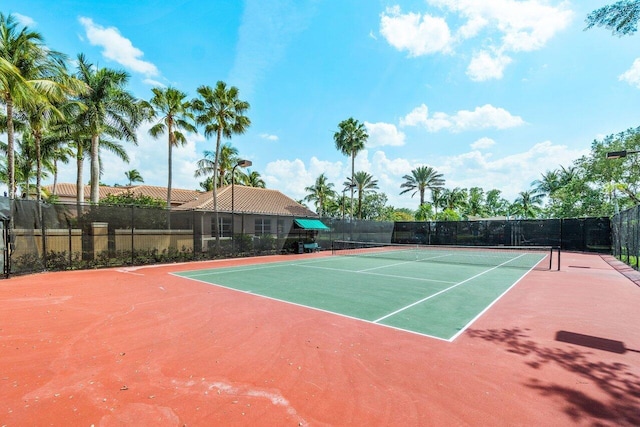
(77, 236)
(626, 236)
(40, 237)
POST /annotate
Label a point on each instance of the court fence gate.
(42, 236)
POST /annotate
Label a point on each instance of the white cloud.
(483, 143)
(269, 137)
(418, 34)
(117, 48)
(483, 117)
(484, 66)
(512, 173)
(381, 134)
(632, 75)
(153, 83)
(501, 26)
(25, 21)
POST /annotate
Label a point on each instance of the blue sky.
(491, 93)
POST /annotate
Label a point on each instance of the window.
(262, 226)
(224, 225)
(280, 227)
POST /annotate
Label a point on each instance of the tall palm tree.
(174, 114)
(222, 114)
(320, 193)
(421, 179)
(26, 66)
(350, 139)
(109, 110)
(363, 183)
(133, 176)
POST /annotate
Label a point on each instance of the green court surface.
(435, 299)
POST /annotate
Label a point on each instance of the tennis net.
(526, 257)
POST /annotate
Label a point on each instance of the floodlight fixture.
(620, 154)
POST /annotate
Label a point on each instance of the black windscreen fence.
(39, 237)
(626, 236)
(581, 234)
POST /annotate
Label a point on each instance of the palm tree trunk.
(55, 177)
(95, 169)
(353, 166)
(37, 138)
(79, 185)
(170, 176)
(216, 226)
(10, 150)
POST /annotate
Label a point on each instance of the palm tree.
(251, 179)
(454, 199)
(527, 204)
(421, 179)
(364, 183)
(228, 158)
(57, 151)
(109, 110)
(320, 193)
(222, 114)
(548, 184)
(133, 176)
(350, 139)
(26, 66)
(174, 115)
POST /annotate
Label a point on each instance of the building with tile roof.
(66, 192)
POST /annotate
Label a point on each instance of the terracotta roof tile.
(245, 200)
(250, 200)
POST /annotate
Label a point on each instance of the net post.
(559, 249)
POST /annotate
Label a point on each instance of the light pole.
(243, 164)
(347, 187)
(620, 154)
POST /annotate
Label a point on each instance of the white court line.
(400, 263)
(444, 290)
(395, 276)
(223, 270)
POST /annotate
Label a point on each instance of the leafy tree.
(421, 179)
(475, 203)
(222, 113)
(133, 176)
(448, 214)
(364, 183)
(621, 17)
(374, 207)
(173, 111)
(350, 139)
(128, 198)
(495, 204)
(320, 193)
(108, 110)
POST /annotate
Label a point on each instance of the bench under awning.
(310, 224)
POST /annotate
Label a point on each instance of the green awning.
(310, 224)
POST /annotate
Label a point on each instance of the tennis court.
(433, 291)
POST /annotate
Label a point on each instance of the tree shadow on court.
(620, 384)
